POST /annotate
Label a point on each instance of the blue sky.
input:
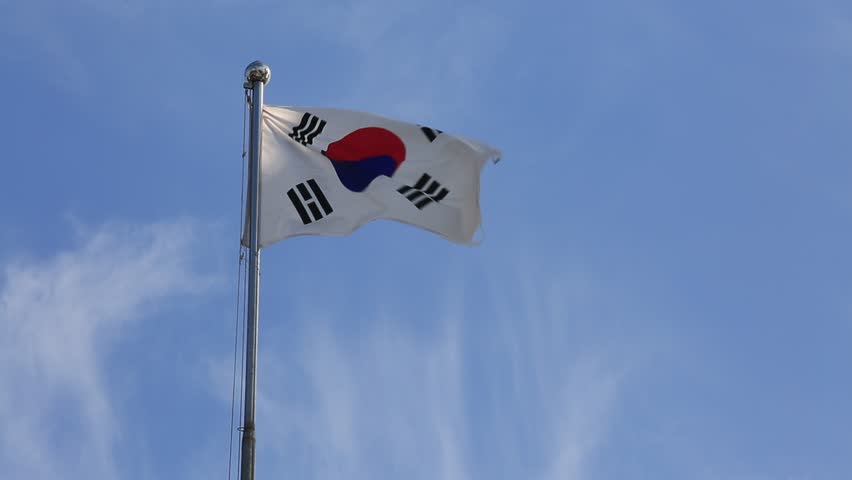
(663, 290)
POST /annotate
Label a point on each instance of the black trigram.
(307, 129)
(424, 192)
(430, 133)
(305, 197)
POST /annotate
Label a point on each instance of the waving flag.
(329, 171)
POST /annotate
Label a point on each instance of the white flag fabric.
(329, 171)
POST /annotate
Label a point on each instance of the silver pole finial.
(258, 71)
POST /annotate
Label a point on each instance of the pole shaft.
(248, 441)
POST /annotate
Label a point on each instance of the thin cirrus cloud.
(408, 59)
(457, 401)
(517, 398)
(60, 317)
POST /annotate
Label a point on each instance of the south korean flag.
(329, 171)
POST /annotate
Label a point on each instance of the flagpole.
(257, 74)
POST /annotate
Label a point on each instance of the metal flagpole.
(257, 74)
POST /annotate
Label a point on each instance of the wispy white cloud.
(561, 387)
(515, 399)
(412, 60)
(408, 59)
(59, 319)
(388, 405)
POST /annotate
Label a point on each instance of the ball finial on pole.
(258, 71)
